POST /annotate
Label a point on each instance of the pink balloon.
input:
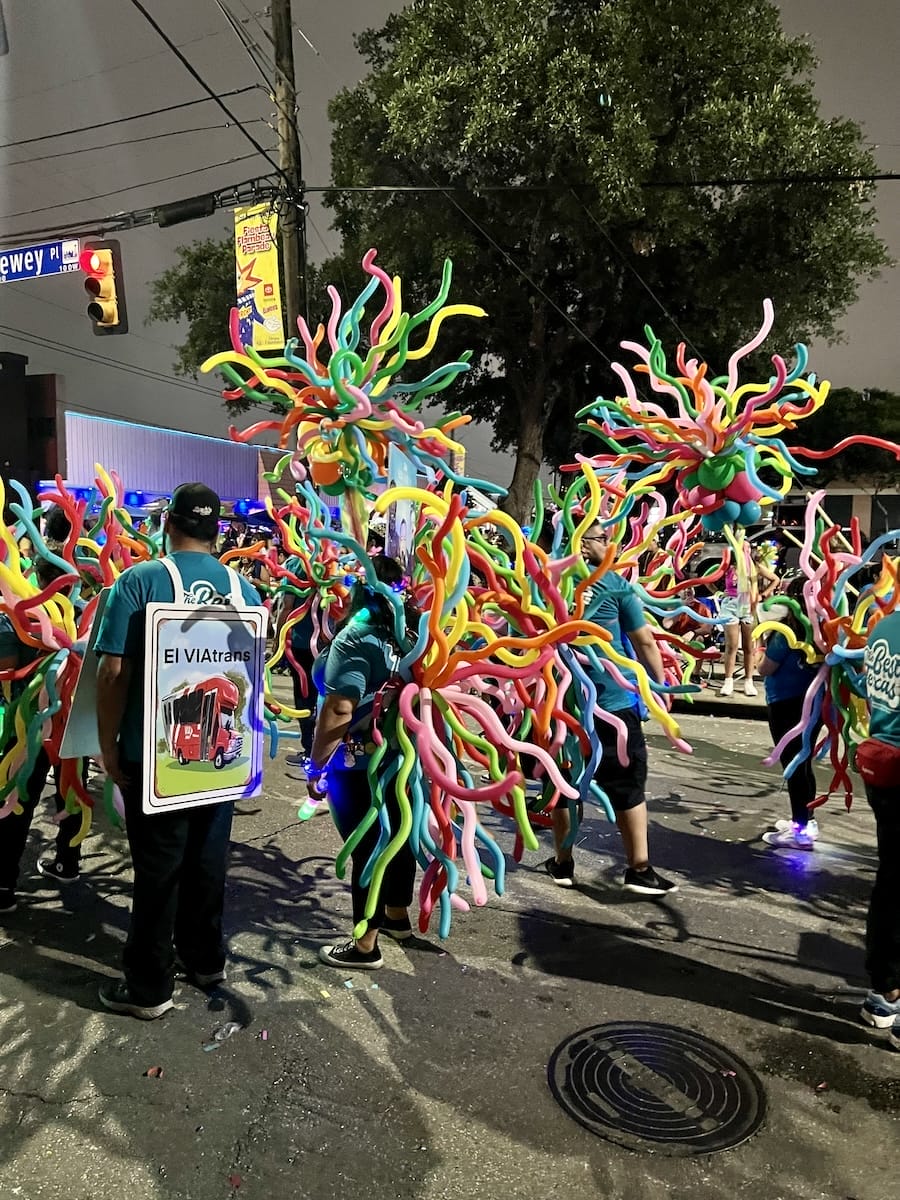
(741, 489)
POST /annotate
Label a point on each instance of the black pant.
(349, 799)
(883, 925)
(180, 859)
(304, 698)
(14, 828)
(784, 715)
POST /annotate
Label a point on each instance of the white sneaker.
(794, 838)
(727, 688)
(749, 688)
(812, 828)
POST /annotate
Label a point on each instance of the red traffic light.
(92, 262)
(102, 266)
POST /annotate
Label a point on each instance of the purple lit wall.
(156, 460)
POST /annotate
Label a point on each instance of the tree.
(199, 289)
(572, 159)
(844, 413)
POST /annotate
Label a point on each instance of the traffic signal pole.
(292, 222)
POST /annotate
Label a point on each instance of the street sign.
(34, 262)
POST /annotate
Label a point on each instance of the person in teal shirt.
(614, 605)
(363, 657)
(179, 857)
(882, 1005)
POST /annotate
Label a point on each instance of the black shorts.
(625, 786)
(304, 692)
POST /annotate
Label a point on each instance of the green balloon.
(716, 474)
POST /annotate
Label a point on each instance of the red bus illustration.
(199, 722)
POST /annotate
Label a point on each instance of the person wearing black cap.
(179, 857)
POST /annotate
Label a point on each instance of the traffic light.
(105, 284)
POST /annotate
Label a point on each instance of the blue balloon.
(750, 513)
(731, 510)
(714, 522)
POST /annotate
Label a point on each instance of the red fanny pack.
(878, 763)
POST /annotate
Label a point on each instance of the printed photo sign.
(203, 705)
(401, 514)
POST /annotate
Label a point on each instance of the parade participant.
(179, 857)
(305, 694)
(361, 660)
(615, 607)
(64, 866)
(736, 613)
(882, 1005)
(788, 677)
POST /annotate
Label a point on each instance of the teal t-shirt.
(883, 679)
(206, 581)
(794, 676)
(357, 664)
(613, 604)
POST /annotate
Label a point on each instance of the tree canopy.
(846, 412)
(578, 165)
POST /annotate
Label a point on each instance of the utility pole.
(292, 222)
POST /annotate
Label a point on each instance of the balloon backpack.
(501, 669)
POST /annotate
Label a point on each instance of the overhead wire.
(150, 137)
(255, 54)
(641, 280)
(192, 71)
(153, 112)
(130, 188)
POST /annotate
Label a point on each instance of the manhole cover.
(657, 1088)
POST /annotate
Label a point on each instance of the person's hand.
(316, 787)
(113, 769)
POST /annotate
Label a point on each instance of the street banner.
(203, 705)
(258, 290)
(401, 514)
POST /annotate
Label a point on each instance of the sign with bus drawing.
(203, 705)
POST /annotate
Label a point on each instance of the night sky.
(71, 64)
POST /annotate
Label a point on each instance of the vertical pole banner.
(401, 515)
(258, 289)
(203, 705)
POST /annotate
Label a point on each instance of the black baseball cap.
(196, 510)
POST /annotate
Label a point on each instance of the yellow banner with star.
(260, 318)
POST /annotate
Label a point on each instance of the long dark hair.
(380, 611)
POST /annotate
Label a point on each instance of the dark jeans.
(180, 859)
(784, 715)
(14, 828)
(307, 698)
(349, 799)
(883, 925)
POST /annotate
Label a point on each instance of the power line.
(762, 181)
(150, 137)
(641, 280)
(102, 360)
(153, 112)
(529, 280)
(199, 79)
(253, 51)
(131, 188)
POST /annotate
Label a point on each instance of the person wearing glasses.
(614, 605)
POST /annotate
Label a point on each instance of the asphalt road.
(427, 1079)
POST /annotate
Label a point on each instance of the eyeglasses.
(600, 537)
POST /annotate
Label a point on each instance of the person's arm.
(644, 645)
(767, 667)
(113, 678)
(777, 650)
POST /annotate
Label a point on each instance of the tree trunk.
(529, 453)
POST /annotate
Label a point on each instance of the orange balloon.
(324, 473)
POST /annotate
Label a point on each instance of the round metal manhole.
(657, 1088)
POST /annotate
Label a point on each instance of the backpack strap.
(236, 595)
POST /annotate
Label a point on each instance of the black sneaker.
(399, 928)
(647, 883)
(7, 900)
(350, 957)
(116, 997)
(52, 868)
(199, 979)
(562, 873)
